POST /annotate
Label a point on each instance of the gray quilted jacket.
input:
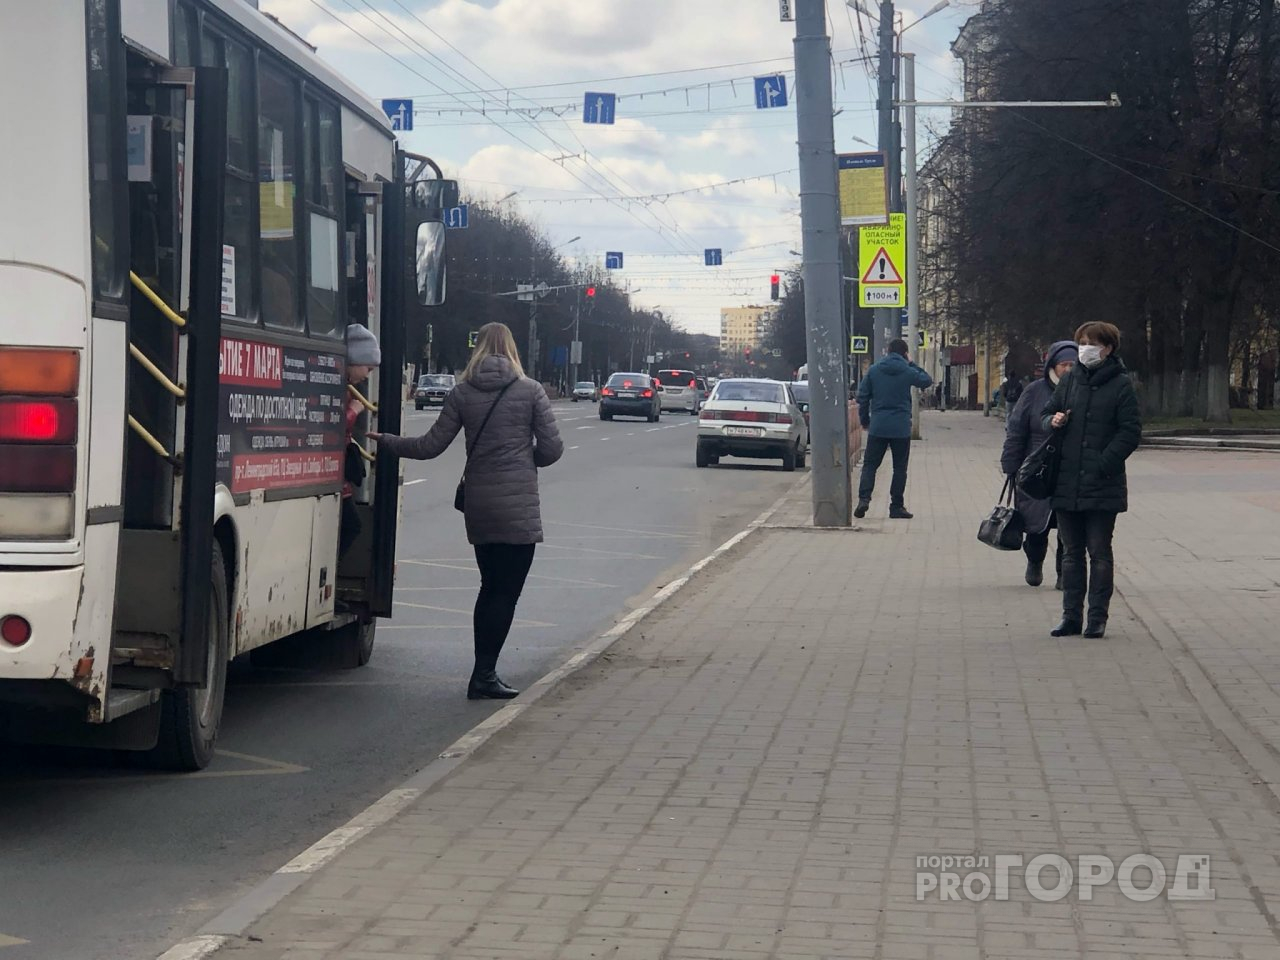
(502, 477)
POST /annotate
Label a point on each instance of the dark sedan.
(432, 389)
(630, 395)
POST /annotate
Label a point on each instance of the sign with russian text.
(281, 417)
(882, 263)
(864, 188)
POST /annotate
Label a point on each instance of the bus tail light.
(39, 372)
(15, 630)
(37, 420)
(35, 468)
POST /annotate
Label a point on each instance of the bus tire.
(190, 716)
(353, 644)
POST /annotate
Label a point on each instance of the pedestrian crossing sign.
(859, 345)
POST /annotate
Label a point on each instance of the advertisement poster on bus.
(281, 414)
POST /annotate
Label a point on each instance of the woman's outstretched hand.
(375, 437)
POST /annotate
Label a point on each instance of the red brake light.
(606, 391)
(27, 420)
(647, 393)
(693, 383)
(14, 630)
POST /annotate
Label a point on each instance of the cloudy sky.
(686, 119)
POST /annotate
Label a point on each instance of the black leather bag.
(460, 495)
(1038, 475)
(1005, 527)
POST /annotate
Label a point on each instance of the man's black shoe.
(899, 513)
(1067, 628)
(1035, 573)
(860, 510)
(490, 689)
(1096, 629)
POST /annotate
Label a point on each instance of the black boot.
(485, 685)
(1067, 628)
(900, 513)
(1096, 629)
(1035, 573)
(1057, 584)
(860, 510)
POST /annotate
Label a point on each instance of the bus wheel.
(190, 716)
(353, 644)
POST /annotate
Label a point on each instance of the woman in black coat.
(1096, 409)
(1024, 432)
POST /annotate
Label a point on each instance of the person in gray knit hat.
(363, 356)
(1024, 432)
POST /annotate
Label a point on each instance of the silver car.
(752, 418)
(680, 390)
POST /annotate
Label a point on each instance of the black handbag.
(1038, 475)
(460, 495)
(1005, 527)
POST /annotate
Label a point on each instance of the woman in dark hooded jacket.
(1024, 432)
(1096, 410)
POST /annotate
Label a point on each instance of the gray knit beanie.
(362, 347)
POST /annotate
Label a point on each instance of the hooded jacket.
(1104, 428)
(1025, 430)
(884, 396)
(502, 504)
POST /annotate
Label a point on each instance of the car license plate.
(743, 431)
(623, 395)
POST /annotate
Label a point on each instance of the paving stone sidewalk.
(754, 770)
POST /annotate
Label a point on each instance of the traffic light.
(774, 282)
(591, 292)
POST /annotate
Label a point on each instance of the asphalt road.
(99, 861)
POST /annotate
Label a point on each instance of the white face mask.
(1054, 378)
(1090, 355)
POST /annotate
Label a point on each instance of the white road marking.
(584, 428)
(410, 483)
(653, 430)
(573, 448)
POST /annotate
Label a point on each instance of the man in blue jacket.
(884, 406)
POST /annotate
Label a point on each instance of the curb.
(1209, 443)
(232, 922)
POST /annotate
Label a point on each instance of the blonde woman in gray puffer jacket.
(502, 510)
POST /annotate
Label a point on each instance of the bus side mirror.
(433, 199)
(429, 263)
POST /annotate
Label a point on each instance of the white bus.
(195, 208)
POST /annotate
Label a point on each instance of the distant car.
(630, 395)
(680, 390)
(585, 390)
(704, 391)
(759, 419)
(432, 389)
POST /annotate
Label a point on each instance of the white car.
(752, 418)
(680, 391)
(585, 390)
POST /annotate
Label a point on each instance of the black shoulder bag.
(1038, 475)
(1005, 527)
(460, 495)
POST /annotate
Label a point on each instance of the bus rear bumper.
(49, 600)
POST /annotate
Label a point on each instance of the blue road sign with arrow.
(456, 218)
(399, 112)
(613, 260)
(598, 107)
(713, 256)
(771, 91)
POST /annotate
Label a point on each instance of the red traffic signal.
(591, 291)
(774, 283)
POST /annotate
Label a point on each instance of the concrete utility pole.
(820, 226)
(885, 319)
(913, 226)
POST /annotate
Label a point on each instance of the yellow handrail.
(366, 454)
(154, 297)
(371, 407)
(151, 368)
(148, 439)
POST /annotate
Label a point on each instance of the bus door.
(176, 158)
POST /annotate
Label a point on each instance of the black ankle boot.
(1096, 629)
(490, 688)
(1067, 628)
(900, 513)
(1035, 573)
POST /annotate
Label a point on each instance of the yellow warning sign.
(882, 263)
